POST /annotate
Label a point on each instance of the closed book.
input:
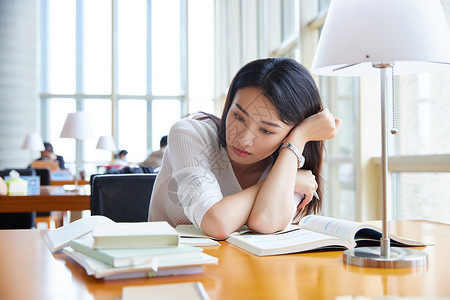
(135, 235)
(154, 268)
(183, 290)
(134, 256)
(163, 272)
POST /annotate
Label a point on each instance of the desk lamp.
(33, 142)
(106, 142)
(77, 126)
(369, 37)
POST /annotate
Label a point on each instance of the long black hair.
(292, 91)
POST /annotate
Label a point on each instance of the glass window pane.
(339, 183)
(201, 105)
(133, 129)
(339, 94)
(97, 47)
(201, 49)
(289, 21)
(422, 196)
(58, 110)
(164, 114)
(99, 111)
(166, 72)
(61, 47)
(422, 112)
(132, 52)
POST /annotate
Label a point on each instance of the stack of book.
(127, 250)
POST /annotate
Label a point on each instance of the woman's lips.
(241, 153)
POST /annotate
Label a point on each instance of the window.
(341, 95)
(126, 63)
(421, 115)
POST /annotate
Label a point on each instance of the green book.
(134, 256)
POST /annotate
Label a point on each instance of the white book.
(189, 231)
(170, 291)
(120, 235)
(62, 236)
(135, 235)
(317, 233)
(194, 241)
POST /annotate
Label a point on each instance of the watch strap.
(300, 157)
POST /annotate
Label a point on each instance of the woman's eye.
(238, 117)
(266, 131)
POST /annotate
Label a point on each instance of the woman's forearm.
(230, 214)
(274, 205)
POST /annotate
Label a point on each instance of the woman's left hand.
(306, 184)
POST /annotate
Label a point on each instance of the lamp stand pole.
(385, 256)
(77, 167)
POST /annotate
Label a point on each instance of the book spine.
(92, 253)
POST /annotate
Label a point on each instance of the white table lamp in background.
(33, 142)
(77, 126)
(106, 142)
(369, 37)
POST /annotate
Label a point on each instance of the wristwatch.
(300, 157)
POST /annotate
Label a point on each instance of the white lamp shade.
(413, 34)
(33, 142)
(106, 142)
(77, 126)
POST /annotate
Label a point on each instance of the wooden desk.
(51, 198)
(29, 271)
(63, 182)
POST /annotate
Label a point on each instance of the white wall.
(19, 107)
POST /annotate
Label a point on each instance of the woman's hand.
(305, 183)
(318, 127)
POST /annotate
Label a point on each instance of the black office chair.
(44, 175)
(122, 197)
(17, 220)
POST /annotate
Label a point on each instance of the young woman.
(258, 165)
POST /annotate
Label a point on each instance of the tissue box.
(17, 187)
(34, 184)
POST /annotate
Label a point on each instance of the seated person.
(121, 159)
(154, 160)
(49, 155)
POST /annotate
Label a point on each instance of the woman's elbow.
(264, 225)
(215, 226)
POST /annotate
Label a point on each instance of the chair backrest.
(23, 172)
(44, 174)
(46, 164)
(122, 197)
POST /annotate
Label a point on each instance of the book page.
(331, 226)
(287, 242)
(60, 237)
(351, 231)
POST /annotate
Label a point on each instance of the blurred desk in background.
(50, 198)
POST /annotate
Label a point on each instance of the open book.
(189, 231)
(317, 233)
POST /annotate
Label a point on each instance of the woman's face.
(253, 129)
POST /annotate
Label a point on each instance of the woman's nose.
(246, 137)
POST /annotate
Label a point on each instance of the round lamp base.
(399, 258)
